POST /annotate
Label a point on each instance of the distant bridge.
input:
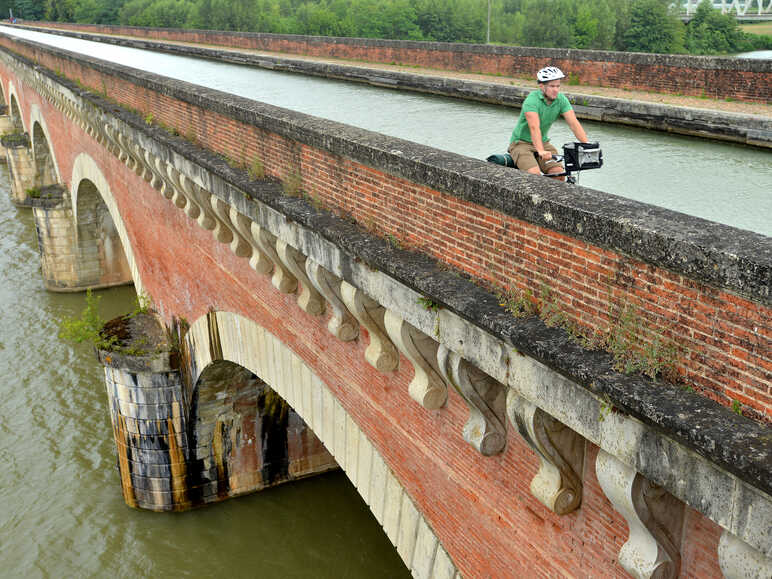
(742, 9)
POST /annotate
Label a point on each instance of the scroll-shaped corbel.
(141, 168)
(558, 484)
(195, 194)
(653, 515)
(117, 144)
(259, 261)
(342, 324)
(428, 387)
(197, 207)
(221, 231)
(128, 148)
(157, 178)
(171, 186)
(380, 353)
(225, 229)
(309, 299)
(282, 279)
(172, 190)
(486, 429)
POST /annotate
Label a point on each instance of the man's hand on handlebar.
(546, 155)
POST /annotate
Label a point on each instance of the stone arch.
(14, 111)
(43, 155)
(225, 336)
(96, 216)
(244, 437)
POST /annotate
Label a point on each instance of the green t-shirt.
(535, 102)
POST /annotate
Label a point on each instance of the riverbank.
(740, 122)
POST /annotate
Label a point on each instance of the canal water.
(722, 182)
(61, 509)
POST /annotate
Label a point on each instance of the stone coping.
(673, 416)
(748, 129)
(716, 254)
(641, 58)
(48, 196)
(15, 141)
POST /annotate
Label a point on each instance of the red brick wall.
(725, 339)
(480, 508)
(700, 76)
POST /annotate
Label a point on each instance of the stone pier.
(184, 445)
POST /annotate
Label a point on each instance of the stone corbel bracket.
(558, 484)
(380, 353)
(342, 324)
(654, 517)
(486, 429)
(428, 387)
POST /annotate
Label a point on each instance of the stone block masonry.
(183, 445)
(21, 168)
(713, 77)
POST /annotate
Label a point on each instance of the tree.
(28, 9)
(653, 28)
(62, 10)
(548, 23)
(711, 32)
(5, 8)
(594, 25)
(452, 20)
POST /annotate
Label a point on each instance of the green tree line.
(627, 25)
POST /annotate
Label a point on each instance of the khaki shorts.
(522, 154)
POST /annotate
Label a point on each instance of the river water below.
(61, 509)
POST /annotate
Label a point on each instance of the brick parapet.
(715, 77)
(701, 284)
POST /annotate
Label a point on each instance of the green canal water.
(61, 509)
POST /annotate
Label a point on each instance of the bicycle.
(577, 157)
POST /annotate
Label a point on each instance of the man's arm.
(573, 124)
(534, 126)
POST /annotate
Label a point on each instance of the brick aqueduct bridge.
(328, 296)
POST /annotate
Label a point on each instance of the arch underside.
(99, 225)
(244, 437)
(233, 338)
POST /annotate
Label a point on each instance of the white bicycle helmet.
(549, 73)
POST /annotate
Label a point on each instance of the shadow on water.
(61, 509)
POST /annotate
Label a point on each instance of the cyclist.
(539, 111)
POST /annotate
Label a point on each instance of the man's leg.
(522, 154)
(551, 167)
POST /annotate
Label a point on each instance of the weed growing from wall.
(91, 328)
(624, 339)
(256, 170)
(293, 184)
